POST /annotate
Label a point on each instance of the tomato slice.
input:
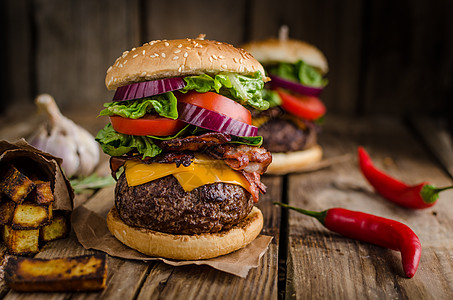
(147, 125)
(217, 103)
(306, 107)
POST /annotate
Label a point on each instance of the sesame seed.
(188, 48)
(175, 58)
(115, 80)
(156, 54)
(120, 66)
(143, 74)
(219, 43)
(224, 66)
(109, 69)
(186, 54)
(125, 62)
(221, 57)
(210, 58)
(180, 68)
(241, 60)
(241, 69)
(143, 52)
(180, 45)
(163, 55)
(135, 55)
(235, 60)
(167, 44)
(152, 55)
(177, 51)
(133, 49)
(214, 56)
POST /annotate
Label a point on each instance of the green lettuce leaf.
(272, 97)
(116, 144)
(299, 72)
(247, 140)
(244, 89)
(164, 104)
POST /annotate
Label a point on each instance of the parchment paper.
(30, 160)
(90, 227)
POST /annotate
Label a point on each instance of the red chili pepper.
(422, 195)
(372, 229)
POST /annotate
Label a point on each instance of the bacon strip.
(256, 185)
(195, 143)
(243, 157)
(179, 158)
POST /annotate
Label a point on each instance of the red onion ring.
(214, 121)
(148, 88)
(295, 86)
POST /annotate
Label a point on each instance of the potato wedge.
(57, 228)
(21, 242)
(7, 208)
(42, 194)
(31, 216)
(82, 273)
(16, 185)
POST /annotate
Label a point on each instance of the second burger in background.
(180, 129)
(290, 127)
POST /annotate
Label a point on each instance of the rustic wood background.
(386, 57)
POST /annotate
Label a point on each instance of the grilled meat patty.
(164, 206)
(282, 135)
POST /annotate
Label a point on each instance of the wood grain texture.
(435, 135)
(328, 264)
(407, 65)
(77, 41)
(219, 20)
(17, 62)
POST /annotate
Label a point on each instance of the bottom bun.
(283, 163)
(186, 247)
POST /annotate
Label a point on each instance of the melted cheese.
(201, 171)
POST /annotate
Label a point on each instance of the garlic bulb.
(63, 138)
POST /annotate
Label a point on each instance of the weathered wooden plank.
(16, 53)
(333, 26)
(76, 42)
(201, 282)
(322, 264)
(219, 20)
(407, 65)
(3, 287)
(437, 138)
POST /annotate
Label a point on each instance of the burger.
(290, 127)
(186, 158)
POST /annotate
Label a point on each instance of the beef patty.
(282, 135)
(164, 206)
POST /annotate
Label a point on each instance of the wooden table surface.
(305, 260)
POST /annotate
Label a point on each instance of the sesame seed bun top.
(287, 50)
(172, 58)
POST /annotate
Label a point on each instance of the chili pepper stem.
(319, 215)
(430, 193)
